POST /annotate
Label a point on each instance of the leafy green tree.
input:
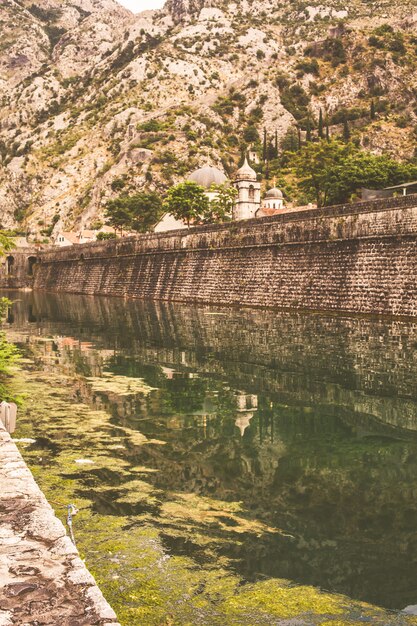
(138, 212)
(308, 131)
(146, 209)
(272, 153)
(105, 236)
(187, 201)
(8, 351)
(9, 354)
(289, 142)
(330, 172)
(220, 209)
(314, 166)
(6, 244)
(118, 214)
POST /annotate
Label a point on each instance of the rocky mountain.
(96, 101)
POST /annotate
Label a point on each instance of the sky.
(141, 5)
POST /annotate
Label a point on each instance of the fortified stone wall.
(358, 258)
(17, 268)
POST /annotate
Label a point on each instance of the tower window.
(251, 193)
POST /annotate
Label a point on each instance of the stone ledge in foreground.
(43, 581)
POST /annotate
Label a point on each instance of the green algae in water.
(165, 523)
(144, 584)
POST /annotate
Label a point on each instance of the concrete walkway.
(43, 581)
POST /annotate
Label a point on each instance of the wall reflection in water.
(309, 421)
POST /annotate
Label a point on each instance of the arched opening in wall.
(81, 257)
(32, 260)
(251, 192)
(9, 265)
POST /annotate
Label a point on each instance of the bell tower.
(249, 193)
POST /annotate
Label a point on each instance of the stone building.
(70, 238)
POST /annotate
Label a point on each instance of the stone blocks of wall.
(356, 258)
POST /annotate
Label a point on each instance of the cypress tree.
(276, 144)
(299, 137)
(346, 131)
(327, 130)
(264, 155)
(320, 129)
(372, 110)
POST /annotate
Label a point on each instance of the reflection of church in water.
(63, 351)
(247, 405)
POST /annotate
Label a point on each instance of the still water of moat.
(214, 451)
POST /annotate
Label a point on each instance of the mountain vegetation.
(98, 104)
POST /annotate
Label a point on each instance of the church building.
(248, 201)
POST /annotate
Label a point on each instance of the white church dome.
(208, 176)
(274, 194)
(246, 172)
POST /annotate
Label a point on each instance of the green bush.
(105, 236)
(250, 134)
(296, 101)
(308, 66)
(350, 114)
(118, 184)
(331, 50)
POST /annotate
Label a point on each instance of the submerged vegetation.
(8, 358)
(167, 507)
(8, 352)
(146, 585)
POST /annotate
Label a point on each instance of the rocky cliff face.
(182, 10)
(95, 100)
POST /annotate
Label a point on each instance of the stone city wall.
(359, 258)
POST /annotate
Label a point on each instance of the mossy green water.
(79, 456)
